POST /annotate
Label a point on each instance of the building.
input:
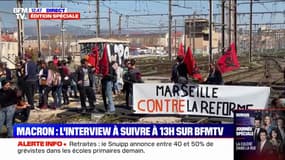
(8, 49)
(153, 43)
(52, 45)
(264, 40)
(197, 36)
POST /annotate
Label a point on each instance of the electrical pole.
(190, 33)
(20, 31)
(169, 29)
(230, 22)
(175, 49)
(0, 37)
(185, 36)
(49, 47)
(223, 26)
(250, 31)
(110, 25)
(62, 37)
(210, 32)
(235, 22)
(97, 18)
(39, 33)
(194, 32)
(120, 24)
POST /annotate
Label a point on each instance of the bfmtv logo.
(21, 12)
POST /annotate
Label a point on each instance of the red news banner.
(55, 16)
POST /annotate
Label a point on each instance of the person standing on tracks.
(179, 71)
(107, 83)
(72, 68)
(132, 76)
(43, 87)
(215, 75)
(20, 74)
(127, 62)
(31, 78)
(66, 81)
(84, 82)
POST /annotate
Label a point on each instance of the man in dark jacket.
(132, 76)
(8, 101)
(31, 78)
(84, 82)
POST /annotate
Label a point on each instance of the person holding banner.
(215, 75)
(132, 76)
(179, 71)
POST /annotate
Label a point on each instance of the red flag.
(229, 61)
(180, 50)
(104, 62)
(93, 59)
(192, 67)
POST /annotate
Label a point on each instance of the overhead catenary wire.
(145, 6)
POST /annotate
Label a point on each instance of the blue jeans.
(107, 93)
(56, 94)
(7, 114)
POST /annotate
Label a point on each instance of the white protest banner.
(195, 99)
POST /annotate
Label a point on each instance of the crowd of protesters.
(61, 79)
